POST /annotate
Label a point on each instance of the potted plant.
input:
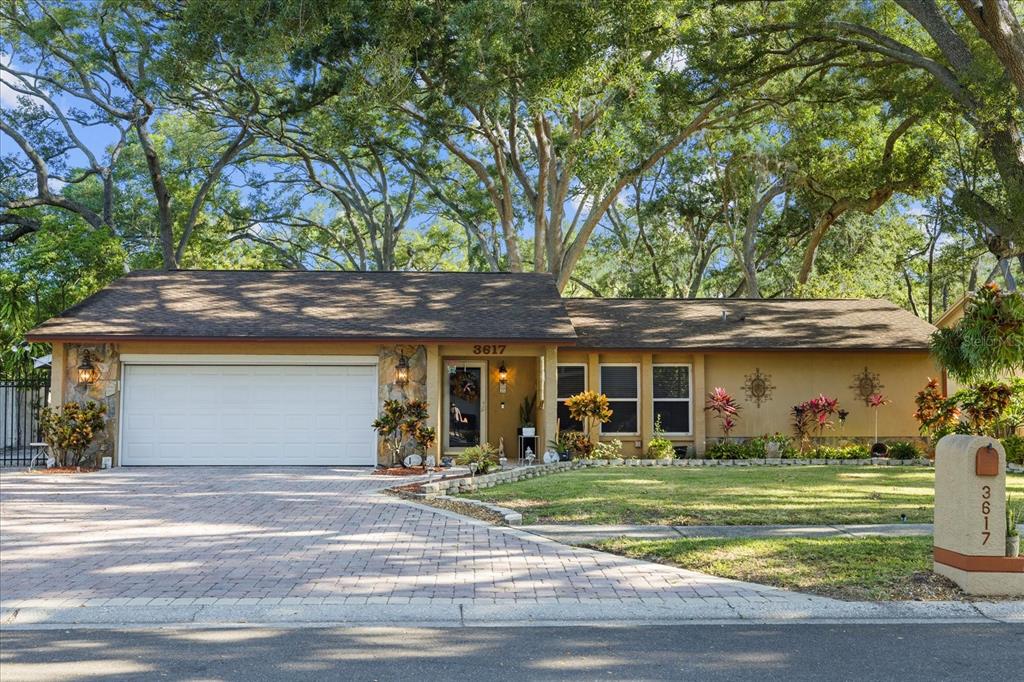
(1013, 517)
(480, 459)
(527, 425)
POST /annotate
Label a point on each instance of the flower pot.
(1013, 546)
(529, 431)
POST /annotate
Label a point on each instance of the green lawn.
(845, 568)
(725, 496)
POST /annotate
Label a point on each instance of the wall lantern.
(402, 371)
(502, 378)
(87, 372)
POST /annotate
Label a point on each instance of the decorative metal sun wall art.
(758, 387)
(865, 384)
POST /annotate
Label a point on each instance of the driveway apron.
(287, 535)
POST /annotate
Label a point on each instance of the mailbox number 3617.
(986, 507)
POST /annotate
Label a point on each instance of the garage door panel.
(248, 415)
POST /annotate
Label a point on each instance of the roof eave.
(114, 338)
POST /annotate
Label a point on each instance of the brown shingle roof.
(763, 324)
(232, 304)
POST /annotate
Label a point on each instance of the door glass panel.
(464, 406)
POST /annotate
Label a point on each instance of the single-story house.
(273, 368)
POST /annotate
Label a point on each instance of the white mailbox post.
(970, 517)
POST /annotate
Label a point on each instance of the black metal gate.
(20, 401)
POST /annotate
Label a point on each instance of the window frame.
(636, 401)
(559, 400)
(689, 376)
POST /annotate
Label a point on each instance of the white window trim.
(689, 375)
(635, 365)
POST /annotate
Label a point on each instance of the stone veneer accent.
(106, 390)
(416, 389)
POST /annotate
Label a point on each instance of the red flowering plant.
(875, 401)
(814, 414)
(724, 408)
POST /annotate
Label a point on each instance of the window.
(621, 383)
(572, 379)
(672, 398)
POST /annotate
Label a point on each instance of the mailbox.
(970, 517)
(986, 461)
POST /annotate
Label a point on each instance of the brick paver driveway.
(286, 536)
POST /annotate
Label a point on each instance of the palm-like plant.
(724, 407)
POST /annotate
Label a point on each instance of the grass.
(844, 568)
(726, 496)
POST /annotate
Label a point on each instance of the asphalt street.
(672, 652)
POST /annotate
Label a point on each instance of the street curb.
(555, 612)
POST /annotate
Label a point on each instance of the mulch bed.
(404, 471)
(64, 470)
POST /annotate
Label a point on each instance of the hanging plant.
(464, 386)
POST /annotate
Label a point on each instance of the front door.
(465, 405)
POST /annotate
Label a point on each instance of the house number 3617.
(986, 508)
(489, 349)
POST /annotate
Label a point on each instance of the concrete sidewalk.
(584, 534)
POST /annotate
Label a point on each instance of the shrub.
(935, 413)
(574, 444)
(485, 456)
(901, 449)
(659, 448)
(1014, 446)
(71, 429)
(591, 409)
(611, 449)
(729, 451)
(839, 452)
(402, 425)
(785, 449)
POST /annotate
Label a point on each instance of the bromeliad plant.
(724, 408)
(591, 409)
(70, 429)
(402, 426)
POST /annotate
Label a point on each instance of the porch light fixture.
(502, 378)
(87, 372)
(402, 371)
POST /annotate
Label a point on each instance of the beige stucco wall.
(797, 376)
(800, 376)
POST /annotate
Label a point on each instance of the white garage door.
(248, 415)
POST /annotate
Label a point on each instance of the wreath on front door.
(464, 386)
